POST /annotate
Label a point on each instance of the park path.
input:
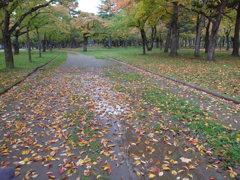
(71, 124)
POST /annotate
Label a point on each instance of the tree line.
(166, 24)
(44, 17)
(206, 23)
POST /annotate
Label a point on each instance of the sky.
(89, 5)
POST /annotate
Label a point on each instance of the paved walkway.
(71, 124)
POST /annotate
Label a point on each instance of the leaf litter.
(73, 124)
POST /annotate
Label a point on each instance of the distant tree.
(214, 12)
(87, 23)
(106, 9)
(145, 15)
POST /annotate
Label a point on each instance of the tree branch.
(229, 17)
(21, 33)
(28, 13)
(4, 3)
(196, 11)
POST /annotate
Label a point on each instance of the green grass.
(125, 76)
(224, 142)
(58, 61)
(221, 75)
(178, 107)
(23, 66)
(157, 127)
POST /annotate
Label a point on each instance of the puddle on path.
(144, 154)
(108, 108)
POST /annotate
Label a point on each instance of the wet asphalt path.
(46, 134)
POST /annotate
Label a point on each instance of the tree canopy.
(173, 24)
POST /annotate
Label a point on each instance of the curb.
(214, 93)
(4, 90)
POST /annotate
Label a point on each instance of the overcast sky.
(89, 5)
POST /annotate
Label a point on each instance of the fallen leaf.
(185, 160)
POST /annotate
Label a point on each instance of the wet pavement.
(71, 124)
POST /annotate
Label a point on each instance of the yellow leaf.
(151, 176)
(137, 162)
(232, 174)
(34, 155)
(166, 157)
(174, 172)
(106, 166)
(173, 162)
(180, 171)
(151, 149)
(106, 153)
(165, 167)
(190, 175)
(26, 152)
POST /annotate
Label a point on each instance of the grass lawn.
(222, 75)
(223, 142)
(22, 66)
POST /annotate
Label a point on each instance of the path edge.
(194, 86)
(26, 76)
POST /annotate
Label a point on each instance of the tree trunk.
(143, 41)
(185, 43)
(44, 43)
(167, 43)
(8, 50)
(227, 33)
(198, 36)
(178, 41)
(29, 47)
(153, 37)
(9, 61)
(157, 42)
(110, 41)
(126, 44)
(50, 45)
(39, 43)
(16, 43)
(211, 49)
(223, 42)
(207, 36)
(236, 33)
(174, 27)
(161, 42)
(215, 26)
(85, 43)
(212, 41)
